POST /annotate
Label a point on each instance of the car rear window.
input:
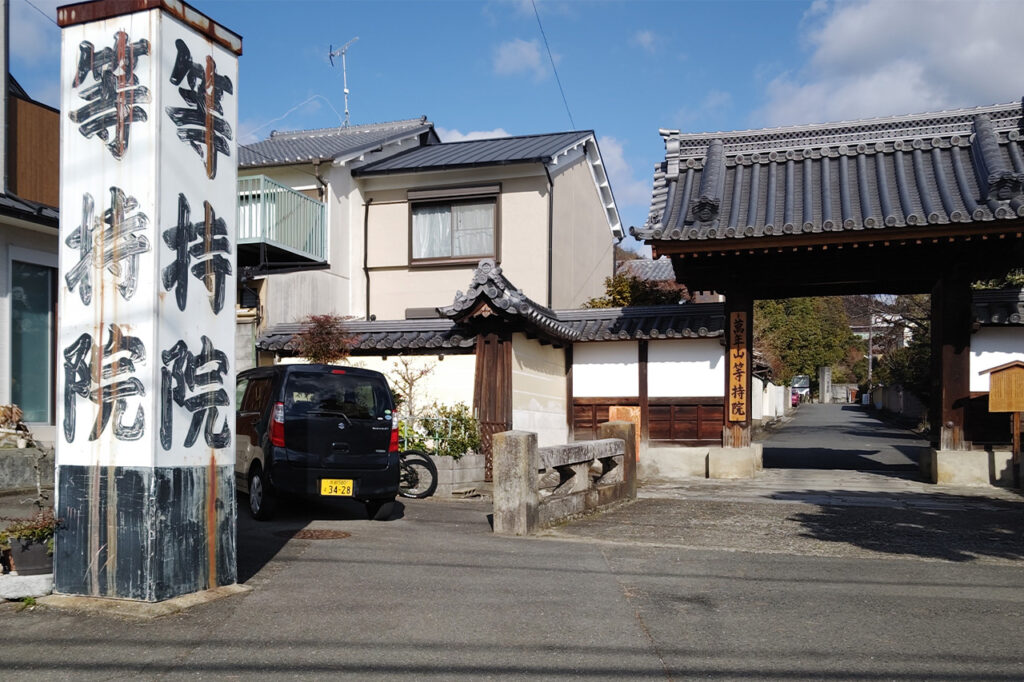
(356, 397)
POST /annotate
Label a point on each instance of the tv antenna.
(332, 53)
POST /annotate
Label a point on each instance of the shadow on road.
(260, 541)
(833, 458)
(950, 527)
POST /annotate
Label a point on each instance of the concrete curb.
(22, 586)
(137, 609)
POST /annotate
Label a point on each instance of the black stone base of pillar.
(142, 533)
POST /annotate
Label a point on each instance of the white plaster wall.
(451, 381)
(605, 370)
(539, 391)
(757, 398)
(685, 368)
(991, 347)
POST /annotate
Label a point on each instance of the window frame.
(451, 196)
(47, 260)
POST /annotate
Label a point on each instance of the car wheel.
(380, 510)
(261, 498)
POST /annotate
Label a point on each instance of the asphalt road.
(841, 437)
(827, 575)
(634, 594)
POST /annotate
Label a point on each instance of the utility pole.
(341, 51)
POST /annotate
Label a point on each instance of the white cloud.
(517, 57)
(34, 38)
(704, 112)
(627, 189)
(647, 40)
(879, 58)
(452, 135)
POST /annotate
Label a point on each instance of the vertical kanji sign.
(145, 448)
(739, 368)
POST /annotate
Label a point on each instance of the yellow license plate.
(336, 486)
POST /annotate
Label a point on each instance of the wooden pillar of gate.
(739, 356)
(952, 316)
(492, 390)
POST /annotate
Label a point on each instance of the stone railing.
(537, 487)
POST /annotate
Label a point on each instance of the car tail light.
(393, 445)
(277, 426)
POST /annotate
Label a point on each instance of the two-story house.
(540, 205)
(384, 221)
(300, 222)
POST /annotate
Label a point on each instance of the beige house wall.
(522, 238)
(290, 297)
(582, 253)
(539, 390)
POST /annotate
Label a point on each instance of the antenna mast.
(344, 74)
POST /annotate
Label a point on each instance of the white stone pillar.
(146, 380)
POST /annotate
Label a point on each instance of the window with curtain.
(32, 340)
(455, 230)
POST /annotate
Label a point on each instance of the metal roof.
(303, 146)
(928, 169)
(470, 153)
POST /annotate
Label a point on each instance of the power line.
(552, 59)
(42, 12)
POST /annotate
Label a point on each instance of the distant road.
(841, 437)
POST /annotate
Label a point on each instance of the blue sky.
(627, 68)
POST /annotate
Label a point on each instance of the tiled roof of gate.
(470, 153)
(926, 169)
(301, 146)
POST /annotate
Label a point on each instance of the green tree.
(799, 335)
(622, 290)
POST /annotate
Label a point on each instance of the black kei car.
(317, 431)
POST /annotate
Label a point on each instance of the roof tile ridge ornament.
(997, 180)
(712, 180)
(490, 292)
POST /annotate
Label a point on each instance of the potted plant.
(30, 542)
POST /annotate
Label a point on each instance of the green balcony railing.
(277, 215)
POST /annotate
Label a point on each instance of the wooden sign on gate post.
(1006, 394)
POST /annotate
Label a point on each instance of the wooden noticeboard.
(1006, 387)
(1006, 394)
(737, 400)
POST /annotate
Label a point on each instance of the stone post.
(627, 432)
(516, 463)
(146, 385)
